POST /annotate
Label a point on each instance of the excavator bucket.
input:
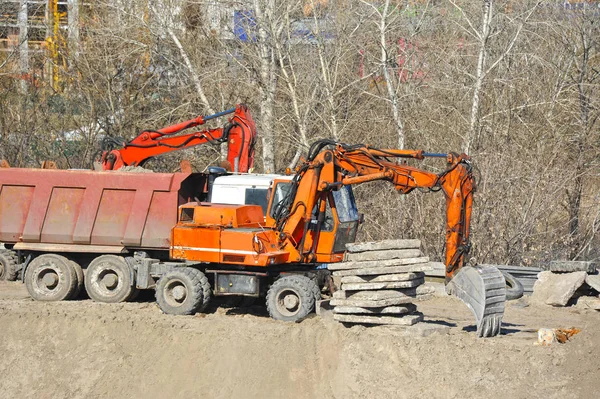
(483, 290)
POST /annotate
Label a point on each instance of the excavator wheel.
(8, 265)
(183, 291)
(108, 279)
(50, 277)
(483, 289)
(292, 297)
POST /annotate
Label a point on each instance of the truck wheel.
(291, 298)
(79, 273)
(8, 265)
(50, 277)
(183, 291)
(108, 280)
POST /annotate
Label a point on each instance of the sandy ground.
(82, 349)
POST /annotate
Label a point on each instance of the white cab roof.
(249, 180)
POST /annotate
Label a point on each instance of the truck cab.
(242, 189)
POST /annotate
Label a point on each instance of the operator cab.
(339, 225)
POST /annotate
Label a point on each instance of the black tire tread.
(200, 291)
(117, 299)
(71, 282)
(516, 289)
(80, 279)
(10, 264)
(304, 285)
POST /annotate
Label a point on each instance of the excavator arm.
(331, 165)
(239, 133)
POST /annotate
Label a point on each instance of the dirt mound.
(82, 349)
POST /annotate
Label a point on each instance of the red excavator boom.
(239, 133)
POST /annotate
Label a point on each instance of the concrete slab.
(567, 266)
(556, 289)
(438, 270)
(363, 303)
(383, 278)
(384, 255)
(382, 294)
(383, 298)
(593, 280)
(407, 320)
(377, 263)
(383, 285)
(399, 309)
(383, 245)
(371, 271)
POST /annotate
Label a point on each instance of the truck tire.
(183, 291)
(8, 265)
(80, 279)
(292, 297)
(50, 277)
(108, 279)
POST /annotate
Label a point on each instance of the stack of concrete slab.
(379, 283)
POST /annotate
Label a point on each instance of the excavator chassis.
(483, 290)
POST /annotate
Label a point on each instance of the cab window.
(257, 196)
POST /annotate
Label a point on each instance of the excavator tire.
(483, 289)
(292, 297)
(183, 291)
(50, 277)
(8, 265)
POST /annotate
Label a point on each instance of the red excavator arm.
(239, 133)
(331, 165)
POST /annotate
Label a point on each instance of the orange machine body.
(227, 234)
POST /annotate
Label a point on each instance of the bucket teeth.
(483, 290)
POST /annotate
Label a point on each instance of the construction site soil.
(82, 349)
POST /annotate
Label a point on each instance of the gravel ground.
(82, 349)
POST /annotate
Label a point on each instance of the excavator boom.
(331, 165)
(239, 133)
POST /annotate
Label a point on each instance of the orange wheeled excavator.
(309, 221)
(239, 133)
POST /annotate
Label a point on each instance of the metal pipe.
(219, 114)
(435, 154)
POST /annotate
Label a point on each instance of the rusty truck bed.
(88, 211)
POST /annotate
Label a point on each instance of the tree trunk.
(389, 82)
(479, 76)
(268, 83)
